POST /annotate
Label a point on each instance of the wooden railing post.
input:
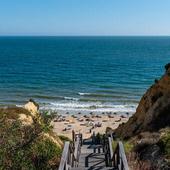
(73, 136)
(81, 139)
(64, 157)
(110, 151)
(116, 158)
(71, 152)
(93, 138)
(119, 157)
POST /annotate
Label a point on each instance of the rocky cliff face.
(153, 111)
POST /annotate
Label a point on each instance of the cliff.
(26, 141)
(153, 111)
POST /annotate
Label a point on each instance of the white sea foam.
(89, 107)
(71, 98)
(83, 94)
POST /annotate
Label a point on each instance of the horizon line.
(45, 35)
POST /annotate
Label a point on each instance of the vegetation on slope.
(27, 141)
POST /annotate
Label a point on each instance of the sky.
(84, 17)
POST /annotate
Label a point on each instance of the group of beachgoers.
(88, 123)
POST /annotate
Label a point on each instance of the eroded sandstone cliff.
(153, 111)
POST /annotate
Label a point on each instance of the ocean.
(80, 74)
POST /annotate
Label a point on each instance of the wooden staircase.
(92, 154)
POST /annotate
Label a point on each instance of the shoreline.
(84, 122)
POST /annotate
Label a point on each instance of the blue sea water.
(80, 73)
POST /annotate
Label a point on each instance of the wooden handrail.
(71, 153)
(110, 147)
(116, 158)
(64, 157)
(119, 157)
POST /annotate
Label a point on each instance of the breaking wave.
(88, 107)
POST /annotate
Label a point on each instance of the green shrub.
(27, 146)
(98, 138)
(164, 143)
(64, 138)
(128, 147)
(114, 144)
(45, 153)
(41, 154)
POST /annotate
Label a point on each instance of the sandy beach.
(86, 124)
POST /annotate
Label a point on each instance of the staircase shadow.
(94, 161)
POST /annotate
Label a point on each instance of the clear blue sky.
(84, 17)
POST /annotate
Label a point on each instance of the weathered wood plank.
(76, 150)
(71, 153)
(123, 156)
(64, 156)
(110, 148)
(73, 156)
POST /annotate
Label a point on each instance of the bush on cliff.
(26, 142)
(164, 143)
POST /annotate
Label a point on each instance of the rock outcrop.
(151, 150)
(153, 111)
(32, 107)
(26, 141)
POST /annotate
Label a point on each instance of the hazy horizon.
(84, 18)
(25, 35)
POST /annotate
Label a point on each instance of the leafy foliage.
(24, 146)
(128, 146)
(164, 143)
(64, 138)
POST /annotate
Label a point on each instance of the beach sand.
(87, 125)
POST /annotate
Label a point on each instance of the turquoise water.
(80, 73)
